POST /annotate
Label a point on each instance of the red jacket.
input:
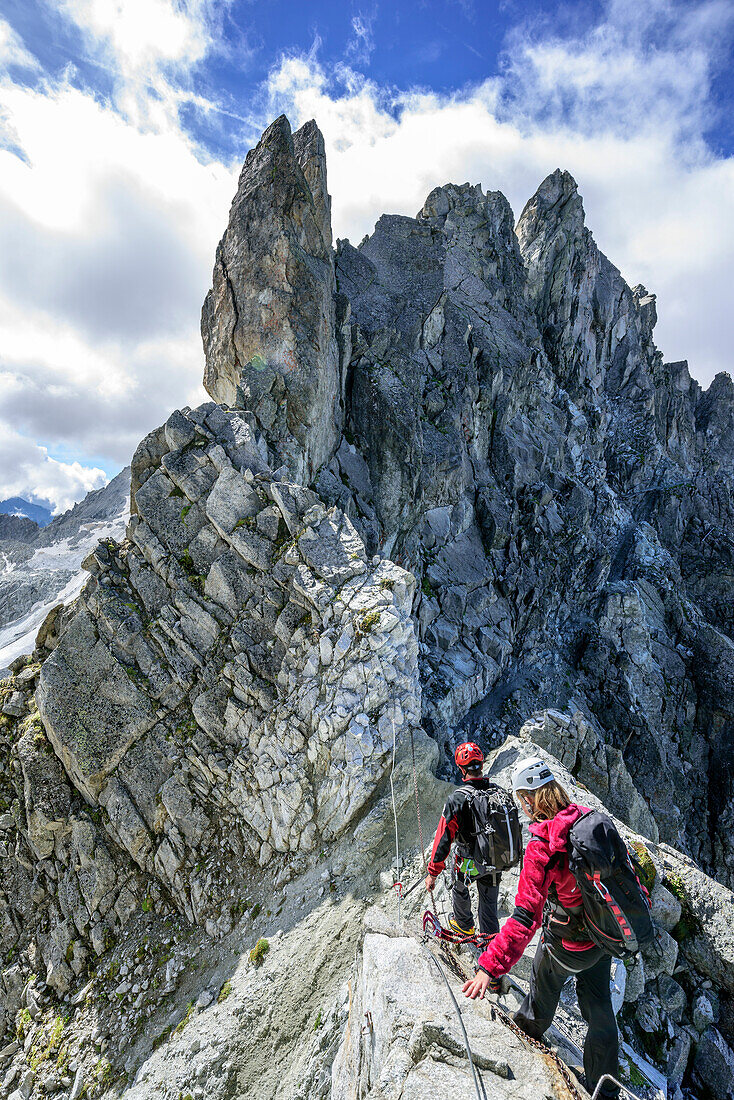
(536, 879)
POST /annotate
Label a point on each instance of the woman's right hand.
(430, 882)
(476, 986)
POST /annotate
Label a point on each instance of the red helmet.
(468, 754)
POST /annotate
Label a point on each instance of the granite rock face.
(414, 1047)
(235, 673)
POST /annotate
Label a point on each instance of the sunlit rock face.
(236, 670)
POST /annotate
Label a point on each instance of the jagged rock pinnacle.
(269, 321)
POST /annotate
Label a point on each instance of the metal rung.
(613, 1081)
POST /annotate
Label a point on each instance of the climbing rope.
(500, 1014)
(418, 811)
(482, 1095)
(432, 926)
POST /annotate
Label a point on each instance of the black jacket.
(457, 824)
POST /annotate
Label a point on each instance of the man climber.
(480, 816)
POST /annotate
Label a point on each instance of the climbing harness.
(432, 926)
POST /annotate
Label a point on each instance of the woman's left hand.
(476, 986)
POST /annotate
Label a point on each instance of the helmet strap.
(526, 804)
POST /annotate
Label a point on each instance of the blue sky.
(124, 124)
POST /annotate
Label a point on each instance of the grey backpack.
(496, 831)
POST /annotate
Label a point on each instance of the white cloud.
(30, 473)
(362, 43)
(645, 68)
(149, 48)
(143, 34)
(107, 239)
(109, 217)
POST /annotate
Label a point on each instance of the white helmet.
(531, 773)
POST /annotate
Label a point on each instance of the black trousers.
(487, 888)
(592, 970)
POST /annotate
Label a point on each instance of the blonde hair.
(547, 800)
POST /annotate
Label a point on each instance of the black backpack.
(616, 904)
(496, 841)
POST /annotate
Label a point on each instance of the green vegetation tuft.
(112, 970)
(197, 580)
(40, 1053)
(224, 992)
(185, 511)
(689, 924)
(184, 1019)
(635, 1078)
(648, 871)
(23, 1022)
(259, 951)
(367, 623)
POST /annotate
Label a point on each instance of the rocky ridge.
(509, 432)
(447, 483)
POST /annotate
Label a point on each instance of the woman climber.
(548, 891)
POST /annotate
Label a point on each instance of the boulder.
(713, 1064)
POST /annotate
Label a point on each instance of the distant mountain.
(40, 566)
(16, 506)
(18, 528)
